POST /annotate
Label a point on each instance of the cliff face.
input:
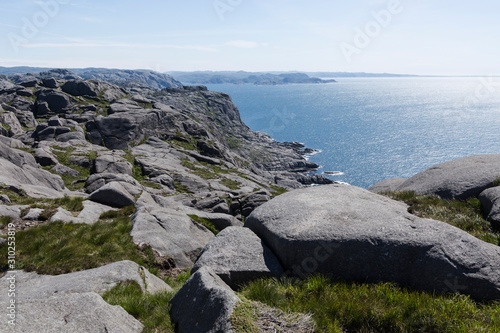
(192, 135)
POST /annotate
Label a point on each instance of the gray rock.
(238, 256)
(221, 208)
(73, 313)
(29, 177)
(124, 105)
(387, 185)
(42, 109)
(99, 280)
(113, 194)
(58, 102)
(96, 181)
(490, 200)
(44, 157)
(352, 234)
(112, 164)
(70, 136)
(61, 169)
(33, 214)
(89, 215)
(56, 121)
(13, 125)
(458, 179)
(203, 305)
(80, 88)
(18, 157)
(50, 83)
(220, 220)
(4, 198)
(13, 212)
(170, 233)
(11, 142)
(164, 180)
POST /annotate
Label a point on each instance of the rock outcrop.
(458, 179)
(238, 256)
(349, 233)
(204, 304)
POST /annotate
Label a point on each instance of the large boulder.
(170, 233)
(114, 194)
(490, 201)
(387, 185)
(57, 101)
(110, 163)
(458, 179)
(78, 313)
(10, 124)
(238, 256)
(99, 280)
(203, 305)
(352, 234)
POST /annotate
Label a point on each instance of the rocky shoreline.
(205, 193)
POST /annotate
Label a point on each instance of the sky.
(425, 37)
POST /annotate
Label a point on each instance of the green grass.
(62, 154)
(277, 190)
(4, 220)
(72, 204)
(136, 169)
(243, 318)
(58, 248)
(205, 223)
(383, 307)
(183, 144)
(496, 182)
(231, 184)
(150, 309)
(204, 173)
(466, 215)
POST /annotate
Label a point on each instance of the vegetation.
(62, 154)
(277, 190)
(231, 184)
(72, 204)
(203, 172)
(466, 215)
(58, 248)
(150, 309)
(205, 223)
(383, 307)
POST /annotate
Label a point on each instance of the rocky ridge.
(180, 155)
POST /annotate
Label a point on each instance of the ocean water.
(370, 129)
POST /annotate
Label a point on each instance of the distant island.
(242, 77)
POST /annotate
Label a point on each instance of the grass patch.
(383, 307)
(244, 318)
(62, 154)
(277, 190)
(136, 169)
(206, 223)
(187, 145)
(58, 248)
(466, 215)
(231, 184)
(204, 173)
(72, 204)
(5, 220)
(150, 309)
(496, 182)
(152, 185)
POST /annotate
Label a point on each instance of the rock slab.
(204, 304)
(458, 179)
(349, 233)
(237, 256)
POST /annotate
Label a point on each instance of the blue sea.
(371, 129)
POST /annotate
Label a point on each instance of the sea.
(370, 129)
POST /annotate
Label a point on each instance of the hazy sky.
(439, 37)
